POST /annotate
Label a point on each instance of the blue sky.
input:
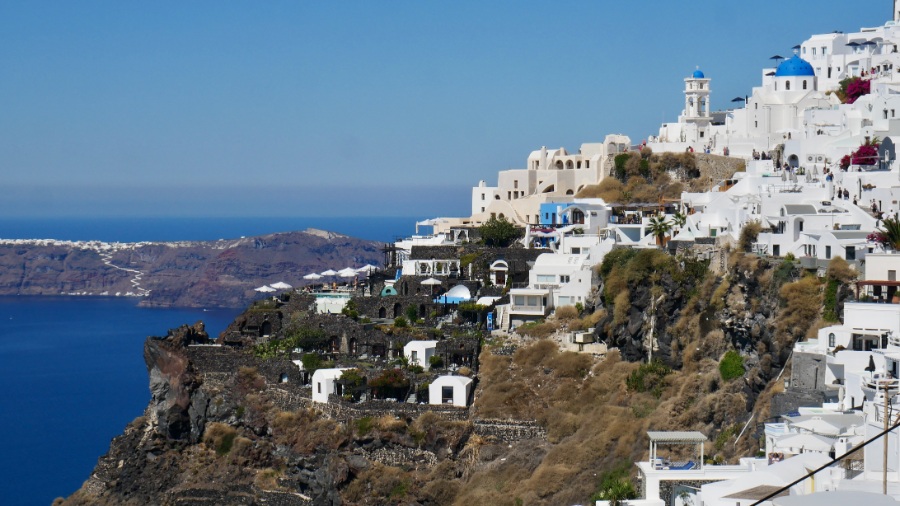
(349, 108)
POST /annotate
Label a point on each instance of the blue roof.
(794, 67)
(698, 74)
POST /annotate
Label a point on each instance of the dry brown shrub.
(389, 423)
(219, 437)
(839, 269)
(610, 190)
(305, 432)
(464, 371)
(802, 302)
(550, 479)
(249, 379)
(621, 306)
(538, 330)
(536, 353)
(566, 313)
(380, 484)
(569, 364)
(440, 491)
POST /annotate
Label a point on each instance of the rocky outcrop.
(177, 404)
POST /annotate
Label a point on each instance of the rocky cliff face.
(177, 404)
(186, 274)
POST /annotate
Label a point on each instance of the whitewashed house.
(420, 353)
(453, 390)
(324, 383)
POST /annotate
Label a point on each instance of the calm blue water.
(72, 376)
(72, 372)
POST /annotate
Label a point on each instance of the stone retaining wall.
(509, 430)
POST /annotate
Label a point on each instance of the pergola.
(676, 438)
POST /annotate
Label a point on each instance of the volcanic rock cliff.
(187, 274)
(547, 427)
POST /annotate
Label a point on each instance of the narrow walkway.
(136, 278)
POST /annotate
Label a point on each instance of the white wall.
(323, 383)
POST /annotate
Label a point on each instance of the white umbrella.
(329, 272)
(368, 268)
(265, 289)
(281, 285)
(312, 276)
(431, 281)
(349, 272)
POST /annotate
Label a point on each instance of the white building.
(324, 383)
(453, 390)
(420, 353)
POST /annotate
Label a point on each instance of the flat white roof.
(676, 436)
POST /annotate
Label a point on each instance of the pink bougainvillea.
(857, 88)
(867, 154)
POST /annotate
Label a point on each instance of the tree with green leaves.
(499, 232)
(659, 227)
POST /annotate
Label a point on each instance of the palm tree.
(659, 227)
(617, 491)
(678, 221)
(890, 229)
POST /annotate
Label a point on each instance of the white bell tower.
(696, 97)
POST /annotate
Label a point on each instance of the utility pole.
(886, 440)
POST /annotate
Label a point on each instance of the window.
(787, 86)
(587, 164)
(576, 251)
(482, 196)
(813, 51)
(850, 253)
(824, 50)
(447, 395)
(892, 113)
(829, 72)
(508, 195)
(701, 134)
(827, 252)
(318, 388)
(564, 279)
(800, 224)
(519, 300)
(546, 278)
(892, 275)
(482, 209)
(885, 114)
(756, 124)
(776, 250)
(831, 340)
(804, 84)
(414, 357)
(516, 183)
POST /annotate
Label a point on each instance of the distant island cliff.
(219, 273)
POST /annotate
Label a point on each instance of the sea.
(72, 373)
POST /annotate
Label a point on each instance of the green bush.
(648, 377)
(436, 362)
(829, 314)
(400, 322)
(412, 314)
(731, 366)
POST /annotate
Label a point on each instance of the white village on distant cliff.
(821, 171)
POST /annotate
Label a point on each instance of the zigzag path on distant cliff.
(219, 273)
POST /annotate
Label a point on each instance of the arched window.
(787, 85)
(804, 84)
